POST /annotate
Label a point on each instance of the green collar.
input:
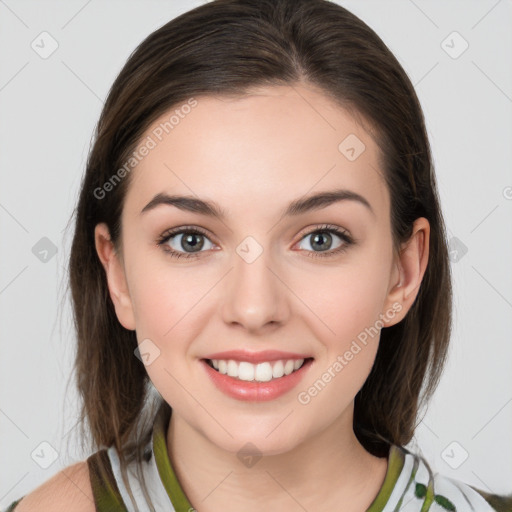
(180, 501)
(396, 461)
(170, 481)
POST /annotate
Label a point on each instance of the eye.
(188, 241)
(184, 238)
(322, 239)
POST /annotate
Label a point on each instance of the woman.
(260, 276)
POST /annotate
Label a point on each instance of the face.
(266, 285)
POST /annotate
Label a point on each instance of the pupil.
(320, 236)
(189, 240)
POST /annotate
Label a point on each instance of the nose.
(255, 296)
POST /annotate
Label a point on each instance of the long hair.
(225, 47)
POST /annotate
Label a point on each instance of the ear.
(115, 274)
(409, 271)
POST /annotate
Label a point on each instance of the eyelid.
(183, 229)
(325, 227)
(170, 233)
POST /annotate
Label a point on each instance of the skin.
(253, 156)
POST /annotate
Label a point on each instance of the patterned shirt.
(409, 485)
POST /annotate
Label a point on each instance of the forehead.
(265, 148)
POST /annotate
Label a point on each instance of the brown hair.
(226, 47)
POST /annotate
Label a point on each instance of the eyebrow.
(300, 206)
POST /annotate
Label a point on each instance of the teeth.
(245, 371)
(232, 370)
(261, 372)
(278, 369)
(288, 367)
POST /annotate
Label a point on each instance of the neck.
(319, 474)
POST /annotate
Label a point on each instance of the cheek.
(348, 301)
(167, 302)
(349, 305)
(164, 295)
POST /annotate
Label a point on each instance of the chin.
(257, 437)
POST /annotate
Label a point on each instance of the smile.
(267, 376)
(261, 372)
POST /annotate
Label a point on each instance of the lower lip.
(252, 391)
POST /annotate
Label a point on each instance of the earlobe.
(115, 275)
(411, 265)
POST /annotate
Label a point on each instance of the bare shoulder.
(69, 489)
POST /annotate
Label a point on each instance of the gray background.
(48, 109)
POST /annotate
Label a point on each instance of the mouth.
(267, 377)
(265, 371)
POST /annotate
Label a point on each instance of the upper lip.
(256, 357)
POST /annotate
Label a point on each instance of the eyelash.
(326, 228)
